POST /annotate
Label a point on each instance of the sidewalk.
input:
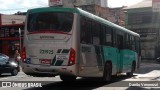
(149, 61)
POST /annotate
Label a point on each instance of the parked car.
(7, 65)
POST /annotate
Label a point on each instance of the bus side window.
(114, 37)
(120, 41)
(138, 48)
(108, 37)
(133, 43)
(128, 42)
(125, 41)
(85, 28)
(95, 33)
(139, 44)
(102, 35)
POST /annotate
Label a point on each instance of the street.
(88, 38)
(147, 72)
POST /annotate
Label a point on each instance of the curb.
(149, 61)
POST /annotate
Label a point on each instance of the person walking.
(17, 57)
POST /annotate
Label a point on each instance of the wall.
(12, 19)
(72, 3)
(147, 31)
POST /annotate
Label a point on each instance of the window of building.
(139, 18)
(11, 31)
(2, 33)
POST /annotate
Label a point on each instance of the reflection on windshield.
(50, 21)
(3, 59)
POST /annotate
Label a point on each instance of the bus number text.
(46, 51)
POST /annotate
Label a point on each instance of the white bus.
(71, 42)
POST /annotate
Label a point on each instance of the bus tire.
(132, 69)
(107, 73)
(67, 78)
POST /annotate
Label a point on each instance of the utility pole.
(20, 41)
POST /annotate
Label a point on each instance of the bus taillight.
(24, 54)
(72, 57)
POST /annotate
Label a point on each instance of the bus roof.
(58, 9)
(83, 13)
(106, 22)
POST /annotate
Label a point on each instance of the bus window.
(86, 35)
(120, 41)
(102, 34)
(114, 37)
(133, 43)
(128, 46)
(138, 47)
(108, 36)
(95, 33)
(50, 21)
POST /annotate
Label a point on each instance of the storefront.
(10, 38)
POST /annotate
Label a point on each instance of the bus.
(71, 42)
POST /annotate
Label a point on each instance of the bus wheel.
(132, 69)
(107, 73)
(67, 78)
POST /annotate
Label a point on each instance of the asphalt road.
(147, 72)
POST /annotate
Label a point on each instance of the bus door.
(120, 54)
(90, 57)
(90, 61)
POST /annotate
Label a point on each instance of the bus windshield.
(52, 21)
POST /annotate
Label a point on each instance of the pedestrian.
(17, 57)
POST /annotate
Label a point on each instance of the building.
(79, 3)
(9, 33)
(10, 24)
(143, 19)
(97, 7)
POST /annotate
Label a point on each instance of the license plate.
(62, 57)
(45, 61)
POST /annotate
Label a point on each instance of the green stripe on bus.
(59, 50)
(66, 51)
(59, 63)
(99, 57)
(53, 61)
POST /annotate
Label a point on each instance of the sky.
(13, 6)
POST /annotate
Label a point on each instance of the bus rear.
(48, 42)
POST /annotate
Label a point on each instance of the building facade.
(10, 25)
(96, 7)
(142, 19)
